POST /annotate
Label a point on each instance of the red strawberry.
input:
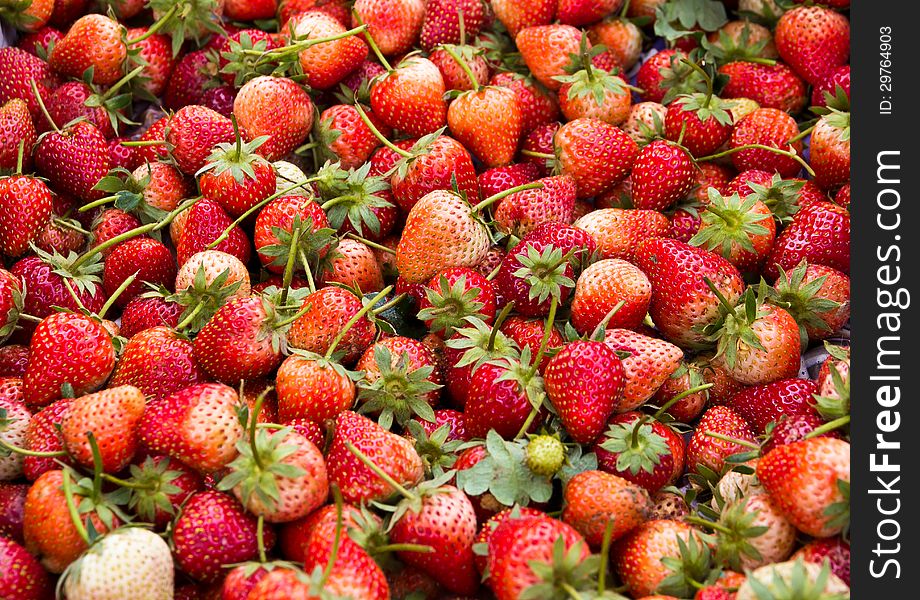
(13, 360)
(25, 209)
(704, 450)
(577, 12)
(795, 428)
(819, 233)
(21, 69)
(197, 425)
(214, 530)
(249, 10)
(186, 84)
(16, 128)
(835, 550)
(761, 405)
(528, 333)
(236, 177)
(622, 38)
(661, 175)
(356, 266)
(499, 179)
(830, 150)
(348, 138)
(206, 221)
(804, 479)
(838, 77)
(638, 556)
(441, 24)
(410, 97)
(771, 86)
(584, 381)
(393, 454)
(158, 362)
(435, 168)
(13, 426)
(681, 300)
(644, 451)
(313, 388)
(594, 498)
(93, 41)
(499, 398)
(488, 122)
(601, 287)
(353, 574)
(813, 40)
(46, 289)
(455, 295)
(701, 122)
(444, 520)
(193, 131)
(328, 63)
(516, 15)
(598, 155)
(546, 49)
(146, 258)
(522, 212)
(394, 24)
(111, 416)
(766, 127)
(12, 501)
(23, 577)
(538, 107)
(618, 232)
(43, 435)
(650, 362)
(660, 68)
(156, 51)
(39, 41)
(53, 363)
(742, 231)
(74, 159)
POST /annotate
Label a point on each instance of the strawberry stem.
(260, 538)
(693, 65)
(133, 485)
(95, 203)
(466, 68)
(112, 242)
(424, 549)
(535, 154)
(121, 82)
(158, 25)
(369, 243)
(142, 143)
(694, 520)
(603, 324)
(664, 407)
(30, 318)
(547, 330)
(19, 154)
(499, 319)
(379, 135)
(72, 508)
(389, 304)
(291, 260)
(97, 466)
(253, 422)
(605, 553)
(191, 316)
(785, 153)
(568, 589)
(534, 185)
(802, 135)
(297, 46)
(308, 271)
(380, 472)
(731, 440)
(829, 426)
(354, 319)
(16, 449)
(337, 540)
(118, 292)
(370, 42)
(41, 105)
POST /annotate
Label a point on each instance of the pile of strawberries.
(424, 299)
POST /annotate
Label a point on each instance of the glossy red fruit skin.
(147, 259)
(838, 77)
(771, 86)
(186, 83)
(813, 40)
(760, 405)
(661, 175)
(74, 159)
(14, 358)
(649, 76)
(494, 404)
(45, 289)
(705, 450)
(819, 233)
(143, 313)
(700, 137)
(205, 223)
(43, 435)
(233, 345)
(663, 472)
(20, 69)
(12, 499)
(794, 428)
(214, 530)
(22, 577)
(158, 362)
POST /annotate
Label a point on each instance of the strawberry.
(158, 362)
(197, 425)
(499, 398)
(21, 69)
(441, 23)
(74, 100)
(681, 300)
(213, 530)
(393, 24)
(275, 227)
(793, 577)
(663, 74)
(817, 297)
(39, 42)
(488, 122)
(391, 453)
(158, 58)
(546, 49)
(638, 556)
(328, 63)
(436, 167)
(753, 532)
(352, 573)
(791, 429)
(765, 404)
(766, 127)
(210, 277)
(14, 421)
(522, 212)
(145, 312)
(528, 333)
(205, 223)
(538, 107)
(700, 121)
(16, 127)
(93, 41)
(12, 500)
(193, 131)
(592, 92)
(661, 175)
(601, 287)
(517, 544)
(830, 150)
(22, 576)
(594, 498)
(328, 310)
(74, 159)
(52, 363)
(499, 179)
(111, 415)
(25, 209)
(46, 286)
(642, 451)
(742, 231)
(771, 86)
(576, 12)
(819, 233)
(278, 475)
(43, 435)
(818, 469)
(835, 550)
(186, 84)
(147, 259)
(355, 265)
(584, 381)
(441, 231)
(443, 519)
(330, 391)
(348, 138)
(410, 97)
(246, 10)
(813, 40)
(236, 177)
(621, 37)
(839, 77)
(534, 275)
(707, 451)
(598, 155)
(619, 232)
(14, 358)
(455, 295)
(650, 362)
(109, 567)
(48, 528)
(517, 15)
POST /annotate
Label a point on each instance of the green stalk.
(35, 453)
(380, 472)
(157, 26)
(118, 292)
(466, 68)
(369, 243)
(72, 509)
(379, 135)
(829, 426)
(354, 319)
(664, 408)
(535, 185)
(732, 440)
(292, 259)
(791, 155)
